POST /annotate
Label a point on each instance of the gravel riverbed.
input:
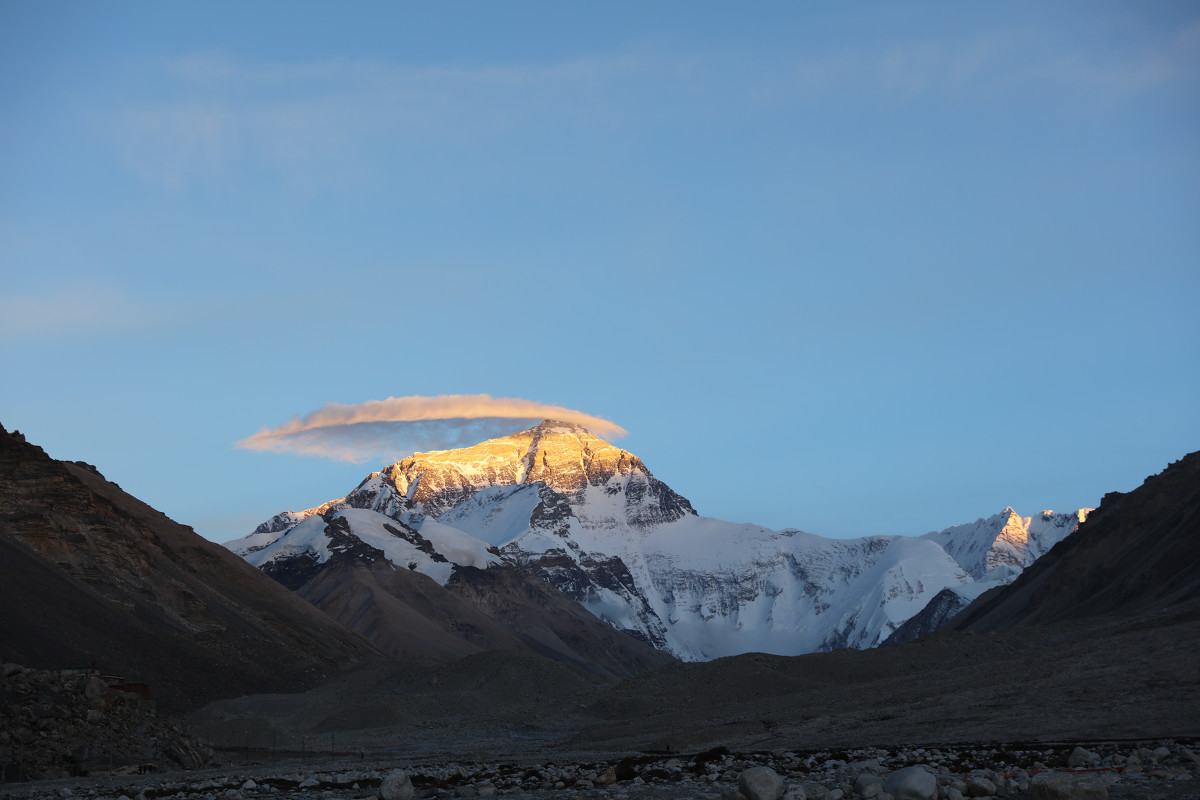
(1157, 769)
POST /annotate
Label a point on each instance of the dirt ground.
(1099, 680)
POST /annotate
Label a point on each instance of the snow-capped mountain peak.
(1004, 544)
(589, 518)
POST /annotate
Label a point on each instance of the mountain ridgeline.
(95, 578)
(556, 508)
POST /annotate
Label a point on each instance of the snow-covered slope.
(434, 551)
(590, 519)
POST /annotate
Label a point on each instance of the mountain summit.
(560, 455)
(589, 518)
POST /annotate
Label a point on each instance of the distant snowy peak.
(1001, 546)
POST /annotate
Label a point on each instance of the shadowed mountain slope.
(1137, 553)
(89, 575)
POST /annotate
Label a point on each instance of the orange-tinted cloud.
(398, 426)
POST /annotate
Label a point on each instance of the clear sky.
(855, 268)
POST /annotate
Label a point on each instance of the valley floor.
(1094, 680)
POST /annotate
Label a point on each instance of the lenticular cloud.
(399, 426)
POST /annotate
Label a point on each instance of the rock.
(912, 783)
(760, 783)
(1081, 758)
(607, 779)
(951, 793)
(867, 785)
(979, 786)
(249, 786)
(309, 783)
(815, 791)
(1061, 786)
(396, 785)
(795, 792)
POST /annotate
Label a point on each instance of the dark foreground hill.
(93, 577)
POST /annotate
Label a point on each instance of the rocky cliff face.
(591, 520)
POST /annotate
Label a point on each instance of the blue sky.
(852, 268)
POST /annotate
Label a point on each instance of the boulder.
(979, 786)
(1081, 758)
(912, 783)
(760, 783)
(396, 785)
(867, 785)
(1063, 786)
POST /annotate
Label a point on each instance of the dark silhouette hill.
(91, 576)
(1138, 553)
